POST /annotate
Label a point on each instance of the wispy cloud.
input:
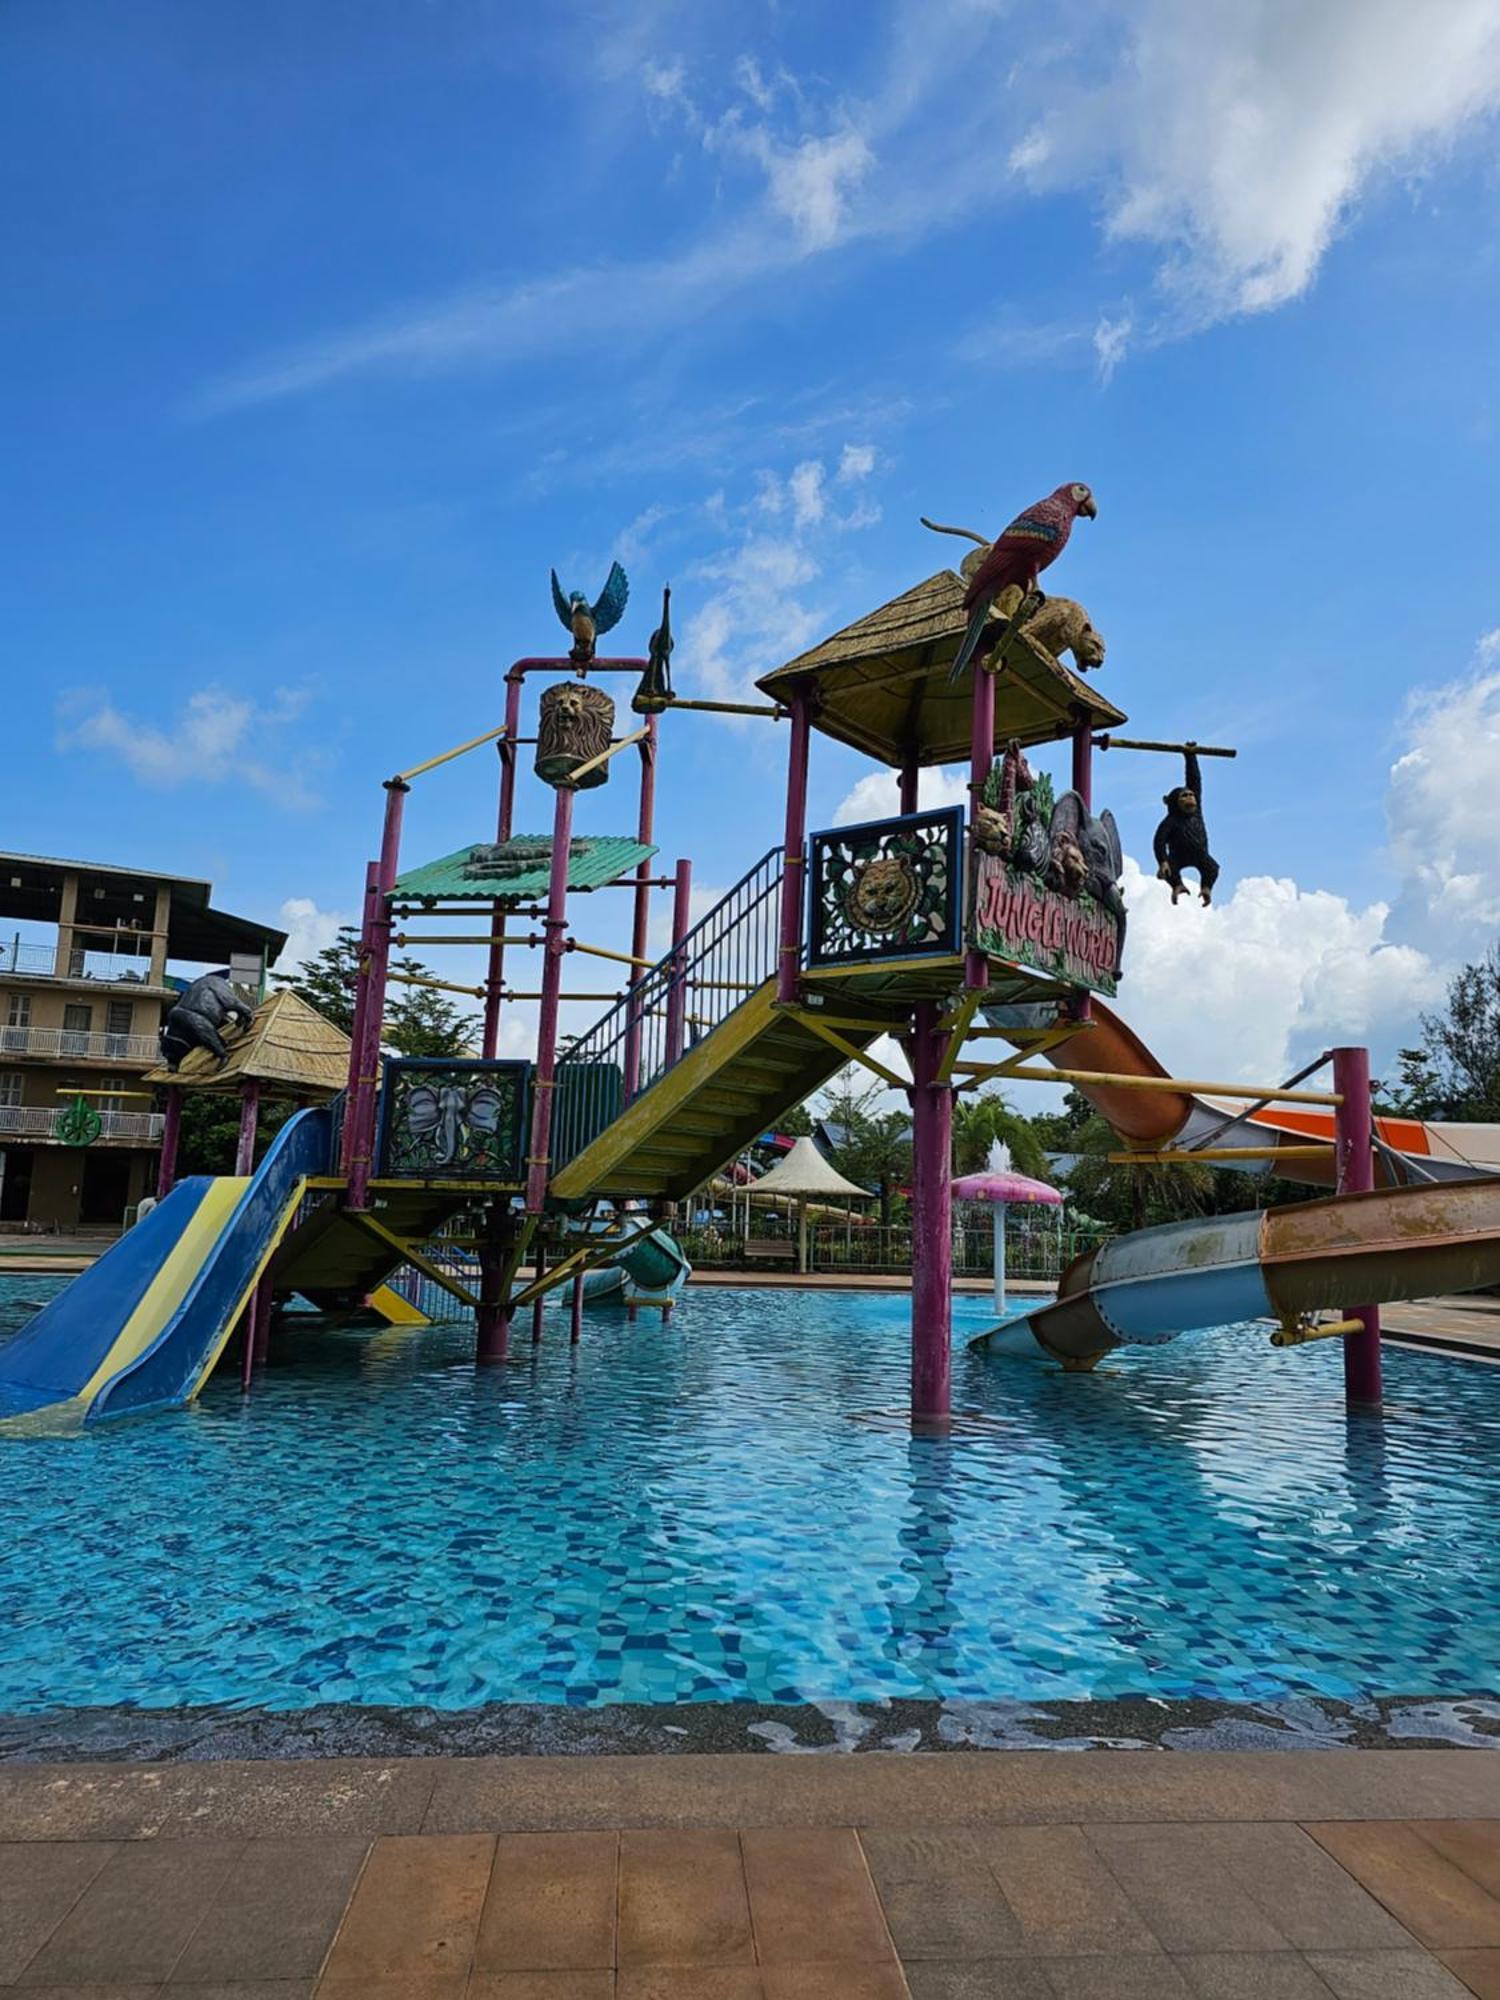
(219, 737)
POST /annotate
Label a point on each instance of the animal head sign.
(453, 1121)
(886, 890)
(1046, 879)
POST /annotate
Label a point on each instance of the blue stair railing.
(721, 961)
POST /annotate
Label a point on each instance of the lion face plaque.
(576, 723)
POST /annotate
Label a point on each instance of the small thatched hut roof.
(882, 686)
(804, 1174)
(288, 1047)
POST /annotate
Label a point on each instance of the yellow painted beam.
(1259, 1093)
(1296, 1334)
(962, 1015)
(598, 1250)
(852, 1052)
(581, 771)
(1185, 1156)
(411, 1255)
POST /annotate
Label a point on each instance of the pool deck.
(1362, 1874)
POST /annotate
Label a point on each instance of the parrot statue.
(586, 621)
(1032, 540)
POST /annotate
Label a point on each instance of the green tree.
(873, 1147)
(419, 1021)
(979, 1120)
(1455, 1072)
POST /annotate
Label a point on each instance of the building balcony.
(41, 961)
(27, 1121)
(75, 1045)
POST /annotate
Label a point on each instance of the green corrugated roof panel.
(517, 869)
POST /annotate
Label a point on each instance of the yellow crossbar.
(1259, 1093)
(1184, 1156)
(593, 763)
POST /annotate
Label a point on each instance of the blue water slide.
(59, 1351)
(172, 1368)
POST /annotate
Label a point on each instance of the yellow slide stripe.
(169, 1287)
(396, 1310)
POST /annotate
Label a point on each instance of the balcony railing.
(74, 1044)
(40, 961)
(26, 1121)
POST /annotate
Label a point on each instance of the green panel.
(593, 860)
(590, 1096)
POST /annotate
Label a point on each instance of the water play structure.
(1001, 922)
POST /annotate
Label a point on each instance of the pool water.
(726, 1510)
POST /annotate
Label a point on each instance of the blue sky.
(328, 329)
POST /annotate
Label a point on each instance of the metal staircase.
(696, 1062)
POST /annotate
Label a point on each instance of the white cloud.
(811, 183)
(1443, 802)
(1247, 989)
(309, 930)
(878, 794)
(755, 617)
(1111, 340)
(856, 461)
(218, 737)
(1237, 139)
(805, 486)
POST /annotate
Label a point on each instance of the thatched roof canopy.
(881, 684)
(288, 1047)
(803, 1173)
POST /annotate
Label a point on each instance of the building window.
(107, 1100)
(10, 1087)
(77, 1020)
(14, 1035)
(117, 1027)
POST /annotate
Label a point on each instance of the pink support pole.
(171, 1136)
(794, 863)
(540, 1301)
(932, 1223)
(575, 1316)
(492, 1335)
(981, 756)
(908, 783)
(546, 1035)
(362, 1158)
(361, 1015)
(261, 1321)
(1083, 761)
(1355, 1154)
(244, 1158)
(640, 925)
(495, 975)
(677, 994)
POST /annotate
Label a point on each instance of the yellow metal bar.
(598, 1250)
(729, 708)
(726, 985)
(857, 1055)
(440, 985)
(1184, 1156)
(527, 993)
(962, 1015)
(593, 763)
(414, 1257)
(1297, 1334)
(1178, 749)
(72, 1090)
(849, 1022)
(1260, 1093)
(619, 957)
(447, 756)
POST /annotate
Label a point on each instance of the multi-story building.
(96, 957)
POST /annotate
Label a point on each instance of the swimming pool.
(727, 1511)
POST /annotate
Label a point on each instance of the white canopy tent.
(804, 1176)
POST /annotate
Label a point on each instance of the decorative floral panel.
(888, 889)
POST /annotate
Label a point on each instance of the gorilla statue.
(208, 1005)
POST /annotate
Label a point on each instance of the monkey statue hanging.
(1182, 839)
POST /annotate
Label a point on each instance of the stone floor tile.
(573, 1984)
(238, 1989)
(216, 1800)
(898, 1854)
(404, 1986)
(1479, 1971)
(40, 1881)
(416, 1910)
(1184, 1890)
(1470, 1844)
(1111, 1976)
(1303, 1891)
(275, 1914)
(1064, 1898)
(108, 1989)
(835, 1980)
(955, 1915)
(1386, 1975)
(136, 1915)
(980, 1979)
(683, 1900)
(551, 1903)
(1251, 1975)
(811, 1897)
(1439, 1903)
(689, 1982)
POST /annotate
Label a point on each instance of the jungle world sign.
(1019, 918)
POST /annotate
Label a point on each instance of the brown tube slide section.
(1141, 1117)
(1396, 1243)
